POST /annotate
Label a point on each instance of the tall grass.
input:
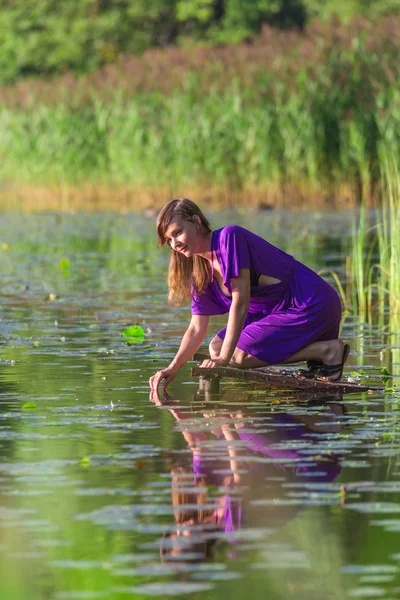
(374, 273)
(375, 261)
(219, 139)
(292, 112)
(375, 251)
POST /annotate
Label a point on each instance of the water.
(87, 459)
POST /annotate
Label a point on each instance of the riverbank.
(125, 199)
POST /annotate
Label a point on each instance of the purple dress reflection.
(288, 430)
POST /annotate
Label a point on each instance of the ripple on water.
(134, 558)
(78, 595)
(374, 507)
(166, 588)
(157, 569)
(369, 569)
(97, 492)
(366, 592)
(79, 564)
(117, 517)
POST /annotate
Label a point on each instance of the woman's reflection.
(237, 469)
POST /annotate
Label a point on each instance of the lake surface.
(88, 461)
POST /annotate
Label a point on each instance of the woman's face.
(186, 237)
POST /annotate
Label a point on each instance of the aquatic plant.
(375, 260)
(134, 334)
(291, 113)
(375, 251)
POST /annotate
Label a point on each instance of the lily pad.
(29, 405)
(134, 334)
(65, 266)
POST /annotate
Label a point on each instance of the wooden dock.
(280, 378)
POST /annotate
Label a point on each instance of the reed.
(375, 252)
(290, 111)
(179, 141)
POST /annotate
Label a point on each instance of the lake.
(88, 461)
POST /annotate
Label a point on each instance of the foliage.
(50, 37)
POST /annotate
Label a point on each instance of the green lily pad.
(134, 334)
(65, 266)
(29, 406)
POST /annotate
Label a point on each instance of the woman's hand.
(166, 375)
(213, 363)
(167, 400)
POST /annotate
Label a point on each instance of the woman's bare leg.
(329, 352)
(215, 347)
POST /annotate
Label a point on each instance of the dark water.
(87, 461)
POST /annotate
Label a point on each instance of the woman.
(279, 310)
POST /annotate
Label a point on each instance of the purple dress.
(283, 318)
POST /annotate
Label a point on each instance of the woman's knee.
(215, 347)
(238, 358)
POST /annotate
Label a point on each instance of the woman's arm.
(237, 314)
(190, 343)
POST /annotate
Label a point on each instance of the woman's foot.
(313, 367)
(334, 372)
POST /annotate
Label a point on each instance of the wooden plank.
(280, 378)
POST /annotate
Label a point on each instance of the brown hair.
(182, 495)
(188, 505)
(185, 275)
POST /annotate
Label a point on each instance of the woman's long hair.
(185, 275)
(188, 505)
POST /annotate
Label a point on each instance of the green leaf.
(389, 389)
(65, 266)
(29, 406)
(385, 371)
(134, 334)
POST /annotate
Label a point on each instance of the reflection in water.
(238, 470)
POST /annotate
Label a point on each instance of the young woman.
(279, 310)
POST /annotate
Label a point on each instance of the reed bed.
(374, 273)
(289, 112)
